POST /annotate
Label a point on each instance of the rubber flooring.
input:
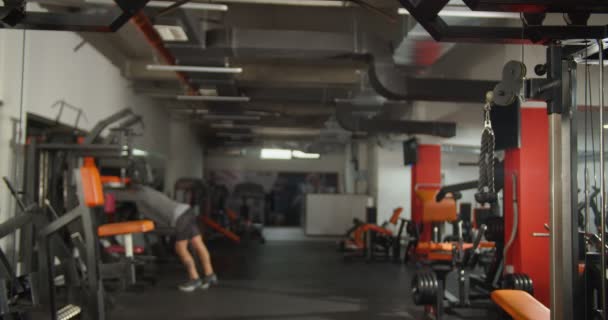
(277, 281)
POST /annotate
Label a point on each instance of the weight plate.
(528, 284)
(424, 288)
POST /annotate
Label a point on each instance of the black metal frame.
(391, 245)
(89, 295)
(426, 13)
(32, 220)
(13, 15)
(473, 290)
(94, 293)
(558, 89)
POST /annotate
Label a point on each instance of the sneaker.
(191, 285)
(210, 280)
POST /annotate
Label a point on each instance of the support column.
(529, 254)
(563, 187)
(425, 173)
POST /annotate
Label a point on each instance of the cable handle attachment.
(487, 109)
(486, 190)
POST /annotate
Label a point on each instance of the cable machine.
(572, 248)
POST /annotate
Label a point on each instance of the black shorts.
(186, 227)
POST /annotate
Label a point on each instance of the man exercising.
(165, 211)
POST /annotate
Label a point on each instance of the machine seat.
(443, 251)
(433, 211)
(520, 305)
(127, 227)
(447, 246)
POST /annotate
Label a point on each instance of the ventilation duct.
(375, 125)
(388, 79)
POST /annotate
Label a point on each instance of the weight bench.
(126, 230)
(520, 305)
(364, 237)
(435, 212)
(445, 257)
(443, 251)
(93, 189)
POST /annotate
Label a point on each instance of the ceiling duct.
(388, 79)
(377, 124)
(391, 70)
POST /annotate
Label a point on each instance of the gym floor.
(279, 280)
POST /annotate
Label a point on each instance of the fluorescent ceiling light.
(279, 154)
(207, 92)
(471, 14)
(231, 117)
(213, 98)
(606, 126)
(303, 155)
(160, 67)
(189, 5)
(139, 153)
(171, 33)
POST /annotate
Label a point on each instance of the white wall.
(85, 78)
(332, 214)
(392, 180)
(185, 159)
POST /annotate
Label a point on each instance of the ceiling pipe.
(214, 98)
(201, 69)
(144, 25)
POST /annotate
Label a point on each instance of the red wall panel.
(530, 164)
(426, 172)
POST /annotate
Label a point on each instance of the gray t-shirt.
(153, 204)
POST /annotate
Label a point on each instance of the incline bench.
(520, 305)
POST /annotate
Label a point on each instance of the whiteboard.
(332, 214)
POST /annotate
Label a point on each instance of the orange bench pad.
(91, 187)
(520, 305)
(447, 246)
(127, 227)
(433, 211)
(434, 246)
(443, 251)
(358, 234)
